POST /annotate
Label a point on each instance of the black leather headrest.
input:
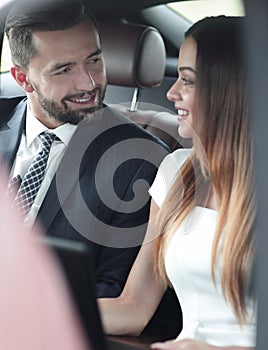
(135, 55)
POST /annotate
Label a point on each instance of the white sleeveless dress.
(207, 316)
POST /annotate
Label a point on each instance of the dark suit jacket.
(99, 193)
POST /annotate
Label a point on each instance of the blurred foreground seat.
(37, 312)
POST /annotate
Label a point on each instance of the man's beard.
(64, 114)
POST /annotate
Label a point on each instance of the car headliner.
(102, 8)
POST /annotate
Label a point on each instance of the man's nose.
(85, 80)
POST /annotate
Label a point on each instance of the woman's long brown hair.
(222, 157)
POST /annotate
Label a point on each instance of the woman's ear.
(21, 78)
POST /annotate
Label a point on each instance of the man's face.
(67, 75)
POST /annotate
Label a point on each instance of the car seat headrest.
(134, 55)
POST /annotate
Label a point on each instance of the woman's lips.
(182, 114)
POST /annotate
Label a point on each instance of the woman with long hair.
(201, 233)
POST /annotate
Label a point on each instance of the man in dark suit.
(100, 165)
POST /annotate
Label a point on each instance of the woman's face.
(182, 93)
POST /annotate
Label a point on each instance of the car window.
(5, 54)
(197, 9)
(5, 57)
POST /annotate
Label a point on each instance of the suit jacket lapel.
(70, 171)
(10, 134)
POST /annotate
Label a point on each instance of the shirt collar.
(34, 127)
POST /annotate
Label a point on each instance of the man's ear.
(21, 78)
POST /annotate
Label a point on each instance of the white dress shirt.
(29, 148)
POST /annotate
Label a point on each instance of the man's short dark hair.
(28, 16)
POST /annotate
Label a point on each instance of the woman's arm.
(191, 344)
(132, 310)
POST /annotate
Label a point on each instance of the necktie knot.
(47, 138)
(35, 174)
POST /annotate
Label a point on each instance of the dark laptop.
(77, 263)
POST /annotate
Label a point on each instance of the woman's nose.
(174, 93)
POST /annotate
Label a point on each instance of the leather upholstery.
(135, 55)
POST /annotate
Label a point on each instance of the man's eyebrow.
(181, 69)
(58, 66)
(95, 53)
